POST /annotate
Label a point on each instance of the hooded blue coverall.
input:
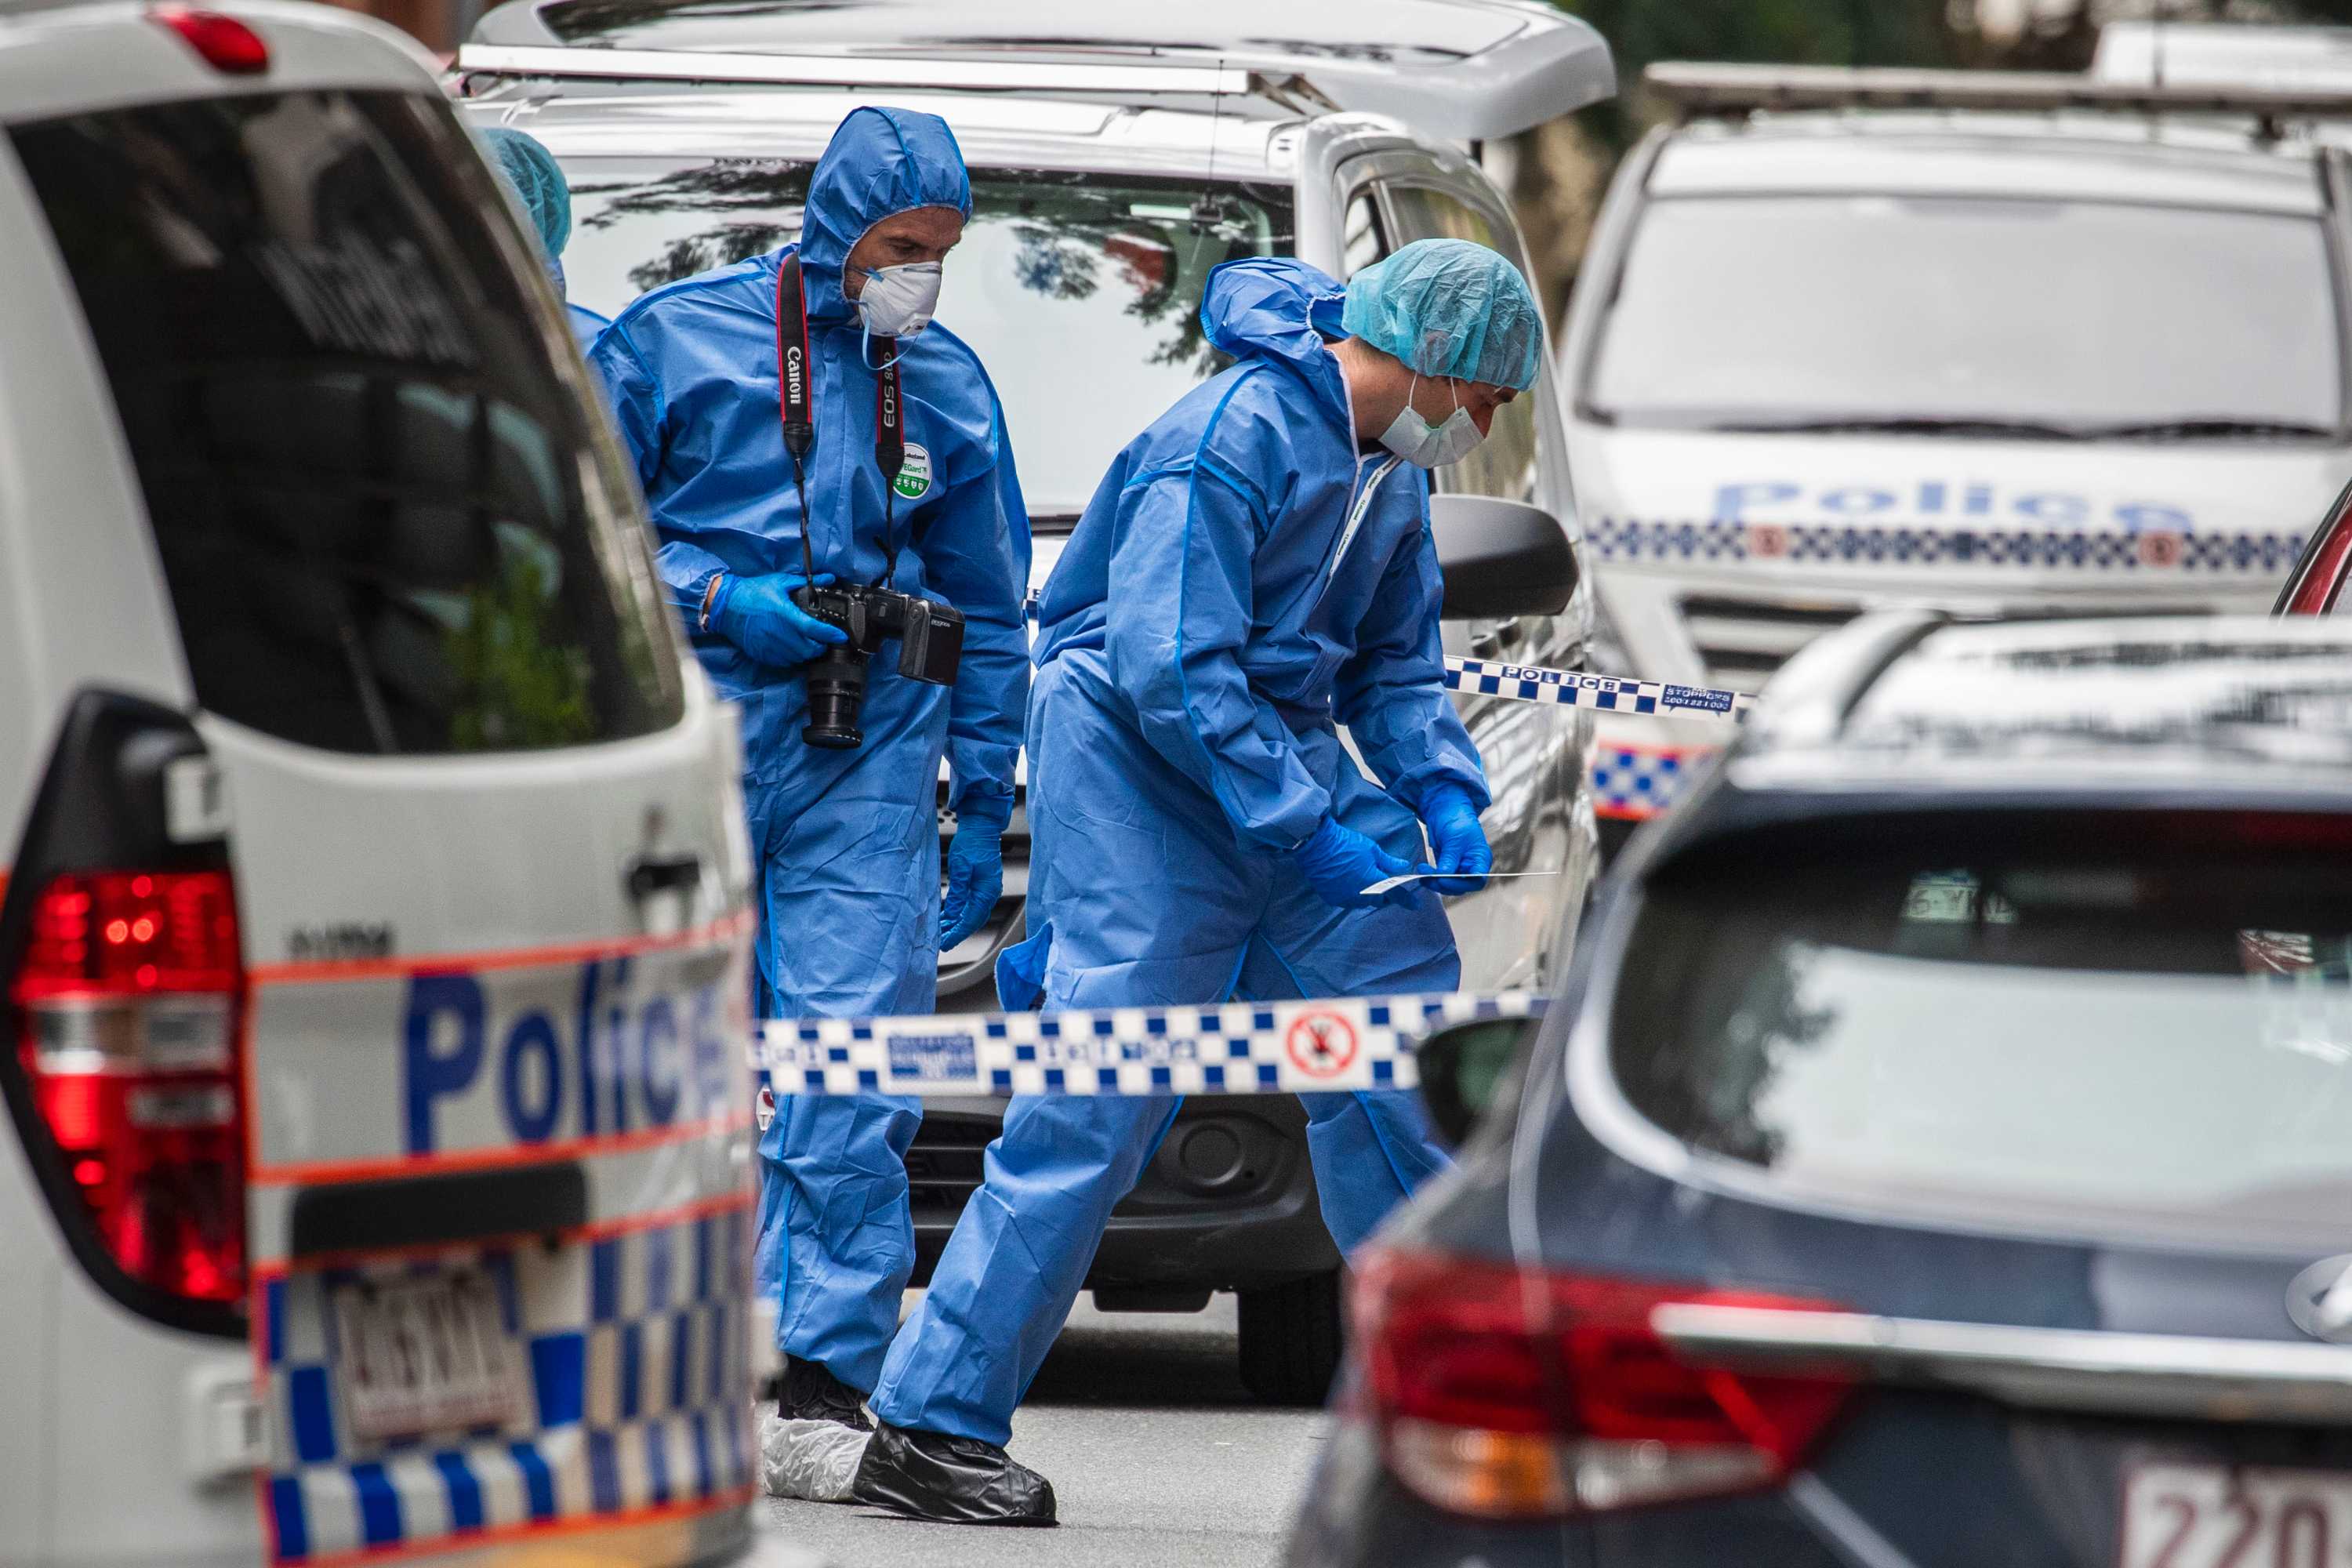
(846, 842)
(1243, 581)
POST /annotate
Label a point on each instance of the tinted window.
(2047, 1034)
(1080, 293)
(1505, 463)
(2081, 315)
(385, 519)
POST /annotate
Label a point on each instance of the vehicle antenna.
(1206, 211)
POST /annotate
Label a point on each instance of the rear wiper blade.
(2191, 429)
(1910, 425)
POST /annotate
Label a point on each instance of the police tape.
(1603, 693)
(1239, 1047)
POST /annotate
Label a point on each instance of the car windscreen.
(2167, 1040)
(383, 513)
(1080, 293)
(2085, 318)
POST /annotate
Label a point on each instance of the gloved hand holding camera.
(758, 615)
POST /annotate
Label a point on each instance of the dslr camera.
(931, 646)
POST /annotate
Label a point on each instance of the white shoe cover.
(815, 1461)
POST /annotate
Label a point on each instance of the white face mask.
(1428, 446)
(897, 301)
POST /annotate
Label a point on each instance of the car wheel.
(1290, 1340)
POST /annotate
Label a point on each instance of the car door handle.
(653, 874)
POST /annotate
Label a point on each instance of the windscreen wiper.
(1909, 425)
(2197, 429)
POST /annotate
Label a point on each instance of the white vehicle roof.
(2069, 154)
(994, 130)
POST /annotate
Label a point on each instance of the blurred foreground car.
(1938, 1158)
(1111, 172)
(372, 989)
(1983, 341)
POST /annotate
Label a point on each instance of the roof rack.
(1701, 89)
(1465, 69)
(846, 70)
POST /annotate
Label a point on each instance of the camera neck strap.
(796, 396)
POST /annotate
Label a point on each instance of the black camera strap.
(796, 394)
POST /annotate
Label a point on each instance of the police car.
(373, 943)
(1989, 341)
(1110, 173)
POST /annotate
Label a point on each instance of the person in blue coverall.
(532, 173)
(846, 842)
(1255, 570)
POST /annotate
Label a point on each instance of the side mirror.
(1461, 1068)
(1501, 558)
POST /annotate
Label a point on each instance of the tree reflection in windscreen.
(1080, 293)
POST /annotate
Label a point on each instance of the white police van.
(373, 940)
(1854, 338)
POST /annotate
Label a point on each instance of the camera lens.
(836, 690)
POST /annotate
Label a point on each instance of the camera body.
(930, 647)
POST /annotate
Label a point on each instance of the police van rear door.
(485, 866)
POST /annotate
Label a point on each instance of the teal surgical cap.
(540, 184)
(1449, 308)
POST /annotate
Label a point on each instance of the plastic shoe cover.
(949, 1480)
(815, 1461)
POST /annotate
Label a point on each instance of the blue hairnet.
(1450, 308)
(531, 169)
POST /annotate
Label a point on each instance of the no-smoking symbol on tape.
(1320, 1045)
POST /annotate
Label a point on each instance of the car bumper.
(1227, 1203)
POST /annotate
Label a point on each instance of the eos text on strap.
(930, 636)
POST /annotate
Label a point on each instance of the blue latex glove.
(1456, 838)
(758, 615)
(1339, 863)
(975, 881)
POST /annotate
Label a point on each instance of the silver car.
(1110, 174)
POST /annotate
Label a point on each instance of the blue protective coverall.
(1243, 581)
(846, 842)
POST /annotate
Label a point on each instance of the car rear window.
(2167, 1041)
(387, 523)
(1058, 273)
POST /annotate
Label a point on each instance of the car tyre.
(1290, 1340)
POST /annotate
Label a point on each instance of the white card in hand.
(1390, 884)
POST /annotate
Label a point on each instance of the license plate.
(2208, 1516)
(422, 1355)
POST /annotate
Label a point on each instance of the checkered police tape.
(1240, 1048)
(1603, 693)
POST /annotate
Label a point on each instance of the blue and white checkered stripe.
(2049, 549)
(1637, 782)
(1601, 693)
(1236, 1048)
(637, 1375)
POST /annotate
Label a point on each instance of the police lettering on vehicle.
(1935, 498)
(618, 1058)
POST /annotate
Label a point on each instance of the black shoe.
(813, 1393)
(949, 1480)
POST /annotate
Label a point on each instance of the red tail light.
(129, 995)
(226, 44)
(1508, 1394)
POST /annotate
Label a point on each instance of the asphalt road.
(1156, 1454)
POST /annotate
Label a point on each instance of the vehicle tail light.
(1507, 1393)
(226, 44)
(129, 996)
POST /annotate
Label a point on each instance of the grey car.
(1111, 172)
(1938, 1157)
